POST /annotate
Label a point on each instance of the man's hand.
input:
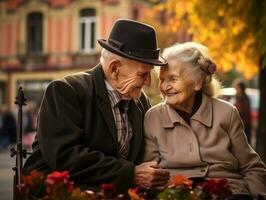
(150, 175)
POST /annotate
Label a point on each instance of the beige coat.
(213, 146)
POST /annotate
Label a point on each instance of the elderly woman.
(195, 134)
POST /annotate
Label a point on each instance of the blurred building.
(41, 40)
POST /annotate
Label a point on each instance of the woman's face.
(178, 90)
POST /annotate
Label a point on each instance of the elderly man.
(91, 123)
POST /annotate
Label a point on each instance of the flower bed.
(57, 186)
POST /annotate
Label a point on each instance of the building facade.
(42, 40)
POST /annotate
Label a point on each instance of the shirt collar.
(116, 98)
(108, 86)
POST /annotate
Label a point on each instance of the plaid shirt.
(123, 126)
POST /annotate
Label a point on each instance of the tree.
(234, 32)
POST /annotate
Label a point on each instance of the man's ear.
(114, 68)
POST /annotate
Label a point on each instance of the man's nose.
(147, 81)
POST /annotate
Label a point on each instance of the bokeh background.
(42, 40)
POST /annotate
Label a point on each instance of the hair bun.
(207, 65)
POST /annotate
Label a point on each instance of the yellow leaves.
(227, 57)
(245, 65)
(160, 7)
(190, 7)
(215, 24)
(246, 59)
(221, 13)
(238, 26)
(171, 5)
(229, 2)
(173, 25)
(219, 35)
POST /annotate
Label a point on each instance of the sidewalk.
(6, 175)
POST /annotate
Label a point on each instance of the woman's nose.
(165, 86)
(168, 86)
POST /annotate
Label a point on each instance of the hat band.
(153, 54)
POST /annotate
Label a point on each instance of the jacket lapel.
(134, 112)
(204, 113)
(170, 116)
(104, 105)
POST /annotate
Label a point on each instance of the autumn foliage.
(226, 27)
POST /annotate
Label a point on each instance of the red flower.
(108, 189)
(57, 177)
(59, 180)
(107, 186)
(216, 187)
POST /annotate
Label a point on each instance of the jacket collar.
(203, 114)
(103, 99)
(98, 75)
(135, 113)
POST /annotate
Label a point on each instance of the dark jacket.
(9, 127)
(76, 132)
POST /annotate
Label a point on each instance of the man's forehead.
(138, 63)
(147, 67)
(142, 67)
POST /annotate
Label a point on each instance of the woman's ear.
(114, 68)
(198, 84)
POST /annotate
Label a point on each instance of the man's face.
(132, 77)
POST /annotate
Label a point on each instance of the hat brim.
(158, 62)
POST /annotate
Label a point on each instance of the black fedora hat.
(134, 40)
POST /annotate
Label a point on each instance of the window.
(87, 29)
(2, 93)
(34, 32)
(33, 89)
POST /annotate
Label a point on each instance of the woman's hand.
(150, 175)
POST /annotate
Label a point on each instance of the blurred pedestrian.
(8, 130)
(1, 124)
(243, 105)
(29, 125)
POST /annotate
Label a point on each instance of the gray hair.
(106, 56)
(192, 57)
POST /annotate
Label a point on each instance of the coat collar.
(98, 75)
(103, 99)
(203, 114)
(135, 113)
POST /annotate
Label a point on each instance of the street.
(6, 175)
